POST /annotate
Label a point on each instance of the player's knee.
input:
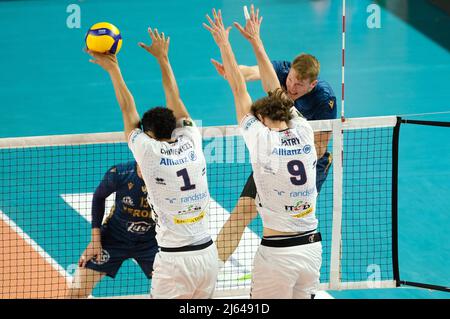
(77, 293)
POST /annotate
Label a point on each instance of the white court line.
(82, 203)
(36, 247)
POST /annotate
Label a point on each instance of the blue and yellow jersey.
(319, 104)
(130, 218)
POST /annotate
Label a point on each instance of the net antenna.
(338, 177)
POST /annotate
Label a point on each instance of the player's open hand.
(94, 249)
(160, 44)
(219, 68)
(217, 29)
(252, 25)
(106, 60)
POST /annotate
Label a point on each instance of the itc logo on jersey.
(300, 209)
(138, 227)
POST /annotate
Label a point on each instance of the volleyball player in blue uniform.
(128, 231)
(313, 98)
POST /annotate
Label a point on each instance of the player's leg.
(144, 254)
(83, 283)
(243, 213)
(322, 168)
(113, 255)
(207, 283)
(308, 281)
(165, 277)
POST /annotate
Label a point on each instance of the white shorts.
(286, 272)
(185, 275)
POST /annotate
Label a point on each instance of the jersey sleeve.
(107, 186)
(141, 144)
(282, 70)
(252, 130)
(187, 127)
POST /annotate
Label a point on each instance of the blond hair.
(306, 66)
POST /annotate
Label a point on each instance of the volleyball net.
(47, 185)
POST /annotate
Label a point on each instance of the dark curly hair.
(160, 121)
(276, 106)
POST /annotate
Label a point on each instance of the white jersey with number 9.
(284, 170)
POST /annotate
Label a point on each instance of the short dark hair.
(276, 106)
(160, 121)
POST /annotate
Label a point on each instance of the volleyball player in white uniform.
(169, 152)
(281, 146)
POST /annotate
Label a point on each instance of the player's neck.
(169, 140)
(277, 125)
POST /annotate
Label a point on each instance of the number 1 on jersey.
(187, 182)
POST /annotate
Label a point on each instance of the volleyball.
(104, 37)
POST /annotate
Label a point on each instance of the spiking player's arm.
(267, 73)
(160, 50)
(126, 101)
(233, 75)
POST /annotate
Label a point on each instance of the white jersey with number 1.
(175, 176)
(284, 172)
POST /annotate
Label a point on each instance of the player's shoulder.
(324, 91)
(188, 128)
(123, 171)
(126, 167)
(250, 123)
(326, 101)
(281, 65)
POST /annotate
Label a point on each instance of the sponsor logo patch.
(191, 220)
(187, 123)
(127, 200)
(300, 209)
(138, 227)
(103, 259)
(160, 181)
